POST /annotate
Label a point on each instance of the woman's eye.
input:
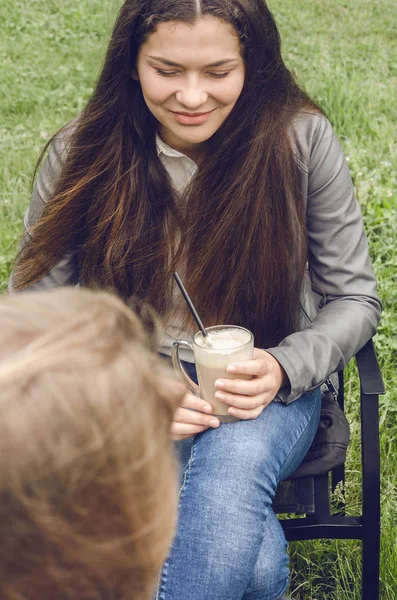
(166, 73)
(172, 73)
(219, 75)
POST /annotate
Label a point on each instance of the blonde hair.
(87, 473)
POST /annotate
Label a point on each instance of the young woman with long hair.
(199, 152)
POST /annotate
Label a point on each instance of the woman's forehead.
(206, 41)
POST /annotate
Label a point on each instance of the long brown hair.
(242, 233)
(88, 477)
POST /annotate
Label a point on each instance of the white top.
(181, 169)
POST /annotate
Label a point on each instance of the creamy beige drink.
(227, 344)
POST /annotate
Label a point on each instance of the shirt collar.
(163, 148)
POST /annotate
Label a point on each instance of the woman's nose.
(192, 96)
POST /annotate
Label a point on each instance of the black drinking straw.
(191, 307)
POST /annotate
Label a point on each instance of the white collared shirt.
(181, 169)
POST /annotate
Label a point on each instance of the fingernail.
(231, 411)
(220, 396)
(207, 408)
(214, 423)
(231, 369)
(219, 383)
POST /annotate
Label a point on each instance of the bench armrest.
(368, 369)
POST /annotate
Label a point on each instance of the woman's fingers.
(255, 367)
(263, 367)
(185, 425)
(196, 403)
(242, 387)
(266, 376)
(190, 420)
(180, 431)
(245, 415)
(193, 417)
(244, 402)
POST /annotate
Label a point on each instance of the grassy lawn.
(345, 54)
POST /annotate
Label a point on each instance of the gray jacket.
(340, 306)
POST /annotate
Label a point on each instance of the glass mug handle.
(176, 362)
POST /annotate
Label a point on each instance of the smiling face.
(191, 77)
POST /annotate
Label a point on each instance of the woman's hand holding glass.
(248, 398)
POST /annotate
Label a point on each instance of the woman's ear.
(134, 74)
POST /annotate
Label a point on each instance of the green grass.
(344, 53)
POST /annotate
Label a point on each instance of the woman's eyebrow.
(170, 63)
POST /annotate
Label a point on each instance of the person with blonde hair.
(88, 480)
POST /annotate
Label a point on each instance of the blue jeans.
(229, 544)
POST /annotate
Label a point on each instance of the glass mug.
(230, 343)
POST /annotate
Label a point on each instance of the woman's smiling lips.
(191, 118)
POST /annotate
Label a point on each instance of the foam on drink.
(224, 339)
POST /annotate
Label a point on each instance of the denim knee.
(270, 577)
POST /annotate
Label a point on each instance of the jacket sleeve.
(349, 310)
(65, 271)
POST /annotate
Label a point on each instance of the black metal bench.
(311, 495)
